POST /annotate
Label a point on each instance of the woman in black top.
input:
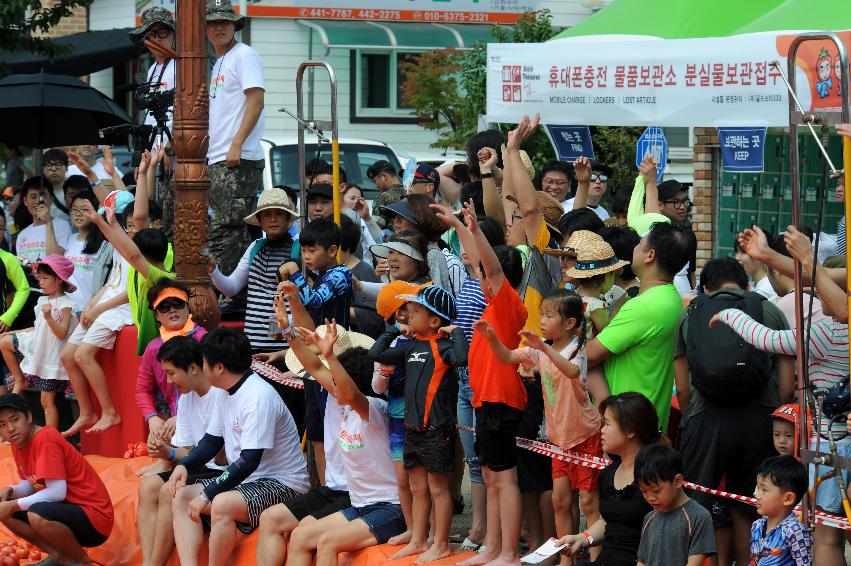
(629, 423)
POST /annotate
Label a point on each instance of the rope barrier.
(553, 451)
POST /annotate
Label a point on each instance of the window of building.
(678, 137)
(376, 92)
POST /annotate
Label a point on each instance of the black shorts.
(314, 415)
(70, 515)
(496, 430)
(432, 448)
(725, 442)
(318, 503)
(195, 474)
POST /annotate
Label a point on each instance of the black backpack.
(724, 368)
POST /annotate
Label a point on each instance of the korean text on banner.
(687, 82)
(742, 149)
(571, 142)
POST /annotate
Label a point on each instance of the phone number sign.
(437, 11)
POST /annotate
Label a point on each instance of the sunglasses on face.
(599, 177)
(169, 305)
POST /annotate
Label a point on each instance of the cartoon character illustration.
(823, 68)
(837, 70)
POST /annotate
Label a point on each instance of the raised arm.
(490, 196)
(493, 270)
(503, 354)
(147, 172)
(565, 366)
(119, 239)
(527, 202)
(832, 295)
(448, 217)
(648, 170)
(582, 170)
(298, 311)
(344, 388)
(300, 343)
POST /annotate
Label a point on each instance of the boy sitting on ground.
(678, 530)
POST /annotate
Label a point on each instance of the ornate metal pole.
(192, 185)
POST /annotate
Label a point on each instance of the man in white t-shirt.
(600, 174)
(234, 157)
(261, 442)
(88, 154)
(158, 26)
(32, 242)
(182, 360)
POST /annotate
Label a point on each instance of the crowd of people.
(479, 304)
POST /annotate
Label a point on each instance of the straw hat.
(579, 240)
(272, 198)
(345, 341)
(524, 157)
(548, 206)
(596, 258)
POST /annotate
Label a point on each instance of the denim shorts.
(385, 520)
(397, 439)
(827, 497)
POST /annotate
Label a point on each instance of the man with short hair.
(555, 181)
(54, 163)
(720, 440)
(386, 180)
(320, 202)
(158, 26)
(637, 346)
(235, 157)
(426, 181)
(674, 203)
(260, 439)
(600, 174)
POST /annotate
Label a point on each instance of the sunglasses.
(170, 304)
(599, 177)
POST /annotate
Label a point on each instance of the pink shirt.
(152, 379)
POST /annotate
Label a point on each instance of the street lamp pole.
(192, 185)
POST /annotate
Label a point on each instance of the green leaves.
(23, 24)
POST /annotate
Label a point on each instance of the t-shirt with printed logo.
(233, 73)
(32, 241)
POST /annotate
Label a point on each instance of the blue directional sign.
(571, 142)
(742, 149)
(652, 142)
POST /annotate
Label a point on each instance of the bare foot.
(83, 421)
(404, 538)
(432, 554)
(478, 559)
(503, 561)
(410, 549)
(106, 421)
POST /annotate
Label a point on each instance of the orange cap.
(386, 304)
(170, 293)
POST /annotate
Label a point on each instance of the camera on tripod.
(139, 137)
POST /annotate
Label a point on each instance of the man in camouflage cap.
(234, 157)
(383, 174)
(158, 27)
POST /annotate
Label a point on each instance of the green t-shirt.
(137, 295)
(773, 318)
(641, 339)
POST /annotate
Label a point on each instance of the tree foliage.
(447, 88)
(24, 23)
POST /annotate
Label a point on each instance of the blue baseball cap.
(436, 299)
(401, 208)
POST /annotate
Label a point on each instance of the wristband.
(486, 176)
(149, 416)
(587, 537)
(173, 454)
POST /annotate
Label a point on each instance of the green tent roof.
(802, 15)
(680, 19)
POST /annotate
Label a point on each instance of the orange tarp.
(121, 480)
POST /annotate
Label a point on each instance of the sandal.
(469, 545)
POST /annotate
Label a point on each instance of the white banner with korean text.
(688, 82)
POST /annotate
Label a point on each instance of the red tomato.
(35, 555)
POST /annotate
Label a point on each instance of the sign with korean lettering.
(436, 11)
(684, 82)
(571, 142)
(742, 149)
(653, 143)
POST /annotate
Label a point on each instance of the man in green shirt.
(637, 347)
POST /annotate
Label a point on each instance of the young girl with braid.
(573, 423)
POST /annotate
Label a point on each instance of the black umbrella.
(45, 110)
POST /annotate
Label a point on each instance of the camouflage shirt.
(387, 197)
